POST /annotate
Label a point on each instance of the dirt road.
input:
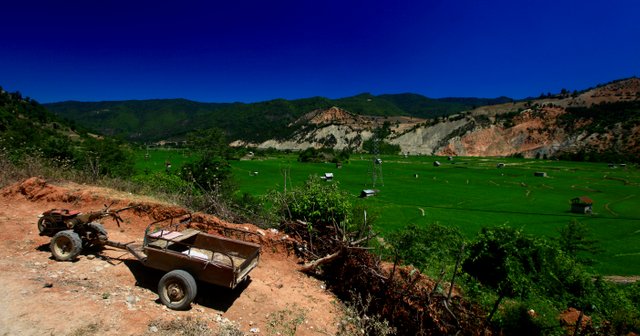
(110, 293)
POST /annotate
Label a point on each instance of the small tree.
(424, 246)
(105, 157)
(208, 173)
(503, 259)
(575, 240)
(210, 142)
(318, 203)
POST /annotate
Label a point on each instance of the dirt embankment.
(111, 293)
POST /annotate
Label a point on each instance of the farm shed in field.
(582, 205)
(368, 193)
(540, 174)
(436, 163)
(500, 165)
(327, 176)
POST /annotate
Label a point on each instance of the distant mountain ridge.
(596, 123)
(159, 119)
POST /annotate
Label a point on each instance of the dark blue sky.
(248, 50)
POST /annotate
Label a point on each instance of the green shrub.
(161, 182)
(433, 246)
(318, 203)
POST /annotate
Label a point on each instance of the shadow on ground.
(210, 296)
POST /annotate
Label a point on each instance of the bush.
(209, 174)
(105, 157)
(318, 203)
(424, 247)
(161, 182)
(384, 147)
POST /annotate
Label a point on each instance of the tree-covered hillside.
(28, 131)
(151, 120)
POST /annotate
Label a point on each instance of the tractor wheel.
(43, 224)
(177, 289)
(98, 234)
(65, 245)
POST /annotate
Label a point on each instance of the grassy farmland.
(471, 193)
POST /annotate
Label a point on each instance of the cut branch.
(357, 242)
(312, 265)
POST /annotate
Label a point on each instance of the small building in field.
(368, 193)
(436, 163)
(540, 174)
(500, 165)
(327, 177)
(582, 205)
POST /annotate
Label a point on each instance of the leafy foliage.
(423, 107)
(323, 155)
(28, 129)
(161, 182)
(423, 247)
(210, 142)
(377, 140)
(384, 147)
(504, 258)
(537, 272)
(575, 241)
(603, 115)
(318, 203)
(208, 173)
(106, 157)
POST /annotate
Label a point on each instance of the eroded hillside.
(601, 120)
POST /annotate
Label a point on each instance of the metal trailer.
(188, 255)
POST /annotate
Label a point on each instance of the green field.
(471, 193)
(154, 160)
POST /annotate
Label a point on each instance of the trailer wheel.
(65, 245)
(177, 289)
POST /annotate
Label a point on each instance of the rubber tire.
(98, 230)
(41, 224)
(65, 245)
(177, 289)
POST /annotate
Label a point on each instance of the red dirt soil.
(111, 293)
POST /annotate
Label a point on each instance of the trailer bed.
(209, 258)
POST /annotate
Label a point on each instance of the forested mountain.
(152, 120)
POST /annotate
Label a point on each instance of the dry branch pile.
(410, 301)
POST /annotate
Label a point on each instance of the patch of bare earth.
(109, 292)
